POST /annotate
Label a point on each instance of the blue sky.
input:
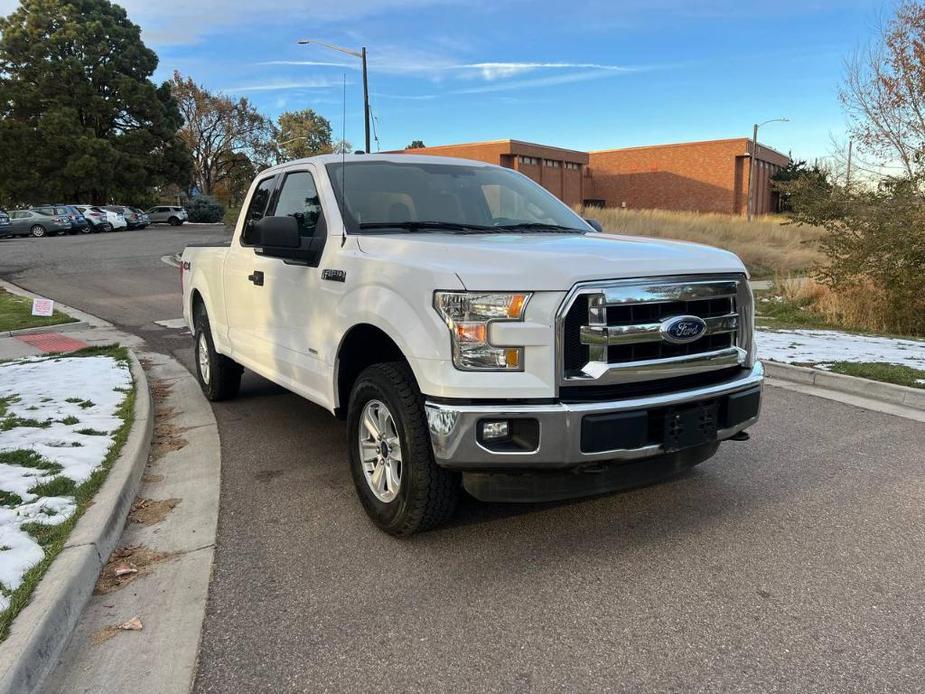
(582, 74)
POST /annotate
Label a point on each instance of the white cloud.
(275, 86)
(493, 71)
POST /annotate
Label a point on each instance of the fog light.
(492, 431)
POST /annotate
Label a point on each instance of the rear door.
(22, 221)
(241, 285)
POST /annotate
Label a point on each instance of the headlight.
(468, 315)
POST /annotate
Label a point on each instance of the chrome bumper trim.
(453, 428)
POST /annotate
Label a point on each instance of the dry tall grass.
(768, 246)
(859, 307)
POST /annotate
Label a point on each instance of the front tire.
(38, 231)
(400, 486)
(218, 376)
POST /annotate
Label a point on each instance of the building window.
(552, 163)
(533, 161)
(572, 165)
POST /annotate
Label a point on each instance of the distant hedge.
(204, 208)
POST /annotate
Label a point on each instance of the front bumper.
(559, 437)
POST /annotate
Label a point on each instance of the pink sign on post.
(43, 307)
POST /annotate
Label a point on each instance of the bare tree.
(884, 92)
(219, 131)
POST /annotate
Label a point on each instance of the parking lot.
(792, 562)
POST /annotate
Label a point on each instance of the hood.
(548, 262)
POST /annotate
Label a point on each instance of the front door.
(284, 296)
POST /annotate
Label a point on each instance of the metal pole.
(848, 172)
(365, 98)
(751, 173)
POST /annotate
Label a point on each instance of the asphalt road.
(793, 562)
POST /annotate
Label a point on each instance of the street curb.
(40, 632)
(42, 329)
(875, 390)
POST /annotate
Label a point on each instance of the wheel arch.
(363, 345)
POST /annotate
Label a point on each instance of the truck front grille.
(615, 333)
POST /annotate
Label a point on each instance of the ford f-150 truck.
(474, 332)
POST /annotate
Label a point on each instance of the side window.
(257, 209)
(299, 198)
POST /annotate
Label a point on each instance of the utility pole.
(361, 54)
(751, 174)
(848, 172)
(365, 99)
(753, 165)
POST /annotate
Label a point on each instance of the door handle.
(256, 278)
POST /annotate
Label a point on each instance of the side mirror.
(278, 232)
(596, 225)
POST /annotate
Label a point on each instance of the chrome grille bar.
(648, 332)
(666, 293)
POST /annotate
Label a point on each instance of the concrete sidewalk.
(165, 551)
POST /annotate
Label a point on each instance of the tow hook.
(740, 436)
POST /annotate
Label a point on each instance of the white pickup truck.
(474, 331)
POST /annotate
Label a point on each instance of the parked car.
(6, 227)
(172, 215)
(131, 217)
(470, 327)
(116, 219)
(143, 216)
(38, 222)
(96, 217)
(79, 224)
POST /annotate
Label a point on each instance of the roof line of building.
(745, 140)
(507, 141)
(672, 144)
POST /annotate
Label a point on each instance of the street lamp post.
(753, 163)
(361, 54)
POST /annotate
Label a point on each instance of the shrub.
(875, 244)
(205, 209)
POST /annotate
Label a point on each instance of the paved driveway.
(793, 562)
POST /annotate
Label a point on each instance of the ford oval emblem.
(682, 329)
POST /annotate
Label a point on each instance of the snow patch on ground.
(76, 400)
(824, 347)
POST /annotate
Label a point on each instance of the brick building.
(561, 171)
(709, 176)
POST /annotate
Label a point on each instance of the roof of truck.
(323, 159)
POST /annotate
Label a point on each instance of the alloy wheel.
(380, 451)
(205, 367)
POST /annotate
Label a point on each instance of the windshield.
(386, 195)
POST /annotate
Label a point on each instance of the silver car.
(41, 221)
(168, 214)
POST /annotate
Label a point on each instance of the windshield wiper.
(424, 225)
(538, 226)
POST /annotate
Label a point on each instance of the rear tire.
(421, 495)
(37, 231)
(174, 221)
(218, 376)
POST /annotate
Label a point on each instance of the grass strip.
(16, 314)
(52, 538)
(882, 371)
